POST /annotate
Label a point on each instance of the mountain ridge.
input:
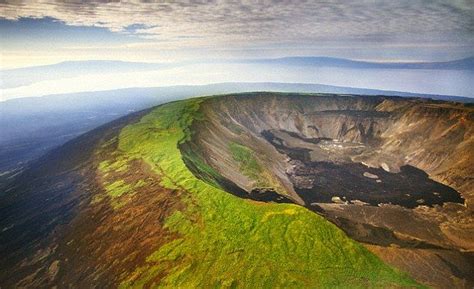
(461, 63)
(457, 64)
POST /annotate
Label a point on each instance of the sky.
(45, 32)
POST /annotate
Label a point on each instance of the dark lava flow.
(320, 181)
(409, 188)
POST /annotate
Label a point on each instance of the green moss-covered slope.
(228, 242)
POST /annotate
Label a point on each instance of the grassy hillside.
(228, 242)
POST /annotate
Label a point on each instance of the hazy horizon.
(201, 43)
(91, 76)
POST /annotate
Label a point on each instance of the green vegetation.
(205, 172)
(119, 192)
(251, 168)
(228, 242)
(249, 165)
(119, 165)
(118, 188)
(114, 174)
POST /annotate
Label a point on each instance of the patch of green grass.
(118, 165)
(139, 184)
(248, 164)
(205, 171)
(118, 188)
(228, 242)
(119, 193)
(250, 167)
(104, 166)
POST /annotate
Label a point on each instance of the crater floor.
(321, 171)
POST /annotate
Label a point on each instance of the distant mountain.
(138, 98)
(12, 78)
(461, 64)
(23, 76)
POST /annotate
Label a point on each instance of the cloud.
(244, 23)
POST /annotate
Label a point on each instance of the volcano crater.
(332, 148)
(389, 171)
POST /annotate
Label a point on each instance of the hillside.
(224, 192)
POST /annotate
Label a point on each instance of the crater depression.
(393, 173)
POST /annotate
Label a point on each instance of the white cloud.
(227, 23)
